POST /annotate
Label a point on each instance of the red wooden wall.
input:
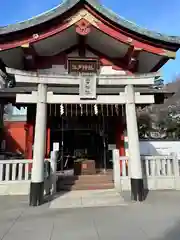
(15, 136)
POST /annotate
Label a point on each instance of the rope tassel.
(95, 109)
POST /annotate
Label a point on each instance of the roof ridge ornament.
(83, 27)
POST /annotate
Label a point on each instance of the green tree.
(144, 125)
(169, 124)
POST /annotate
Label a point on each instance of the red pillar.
(30, 132)
(120, 141)
(29, 139)
(29, 142)
(48, 141)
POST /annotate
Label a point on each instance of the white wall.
(159, 147)
(12, 113)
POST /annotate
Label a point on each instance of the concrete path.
(156, 219)
(87, 198)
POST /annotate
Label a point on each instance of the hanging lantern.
(61, 109)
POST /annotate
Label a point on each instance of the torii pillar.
(137, 187)
(37, 178)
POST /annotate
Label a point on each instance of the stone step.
(85, 182)
(86, 176)
(85, 179)
(64, 187)
(95, 176)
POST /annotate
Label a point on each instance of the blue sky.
(158, 15)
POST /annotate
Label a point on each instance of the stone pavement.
(158, 218)
(88, 198)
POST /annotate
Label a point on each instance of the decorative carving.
(83, 27)
(36, 35)
(83, 15)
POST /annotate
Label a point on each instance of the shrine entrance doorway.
(84, 139)
(78, 146)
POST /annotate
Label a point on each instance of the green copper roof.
(68, 4)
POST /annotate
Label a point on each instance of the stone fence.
(159, 172)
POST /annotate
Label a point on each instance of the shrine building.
(80, 71)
